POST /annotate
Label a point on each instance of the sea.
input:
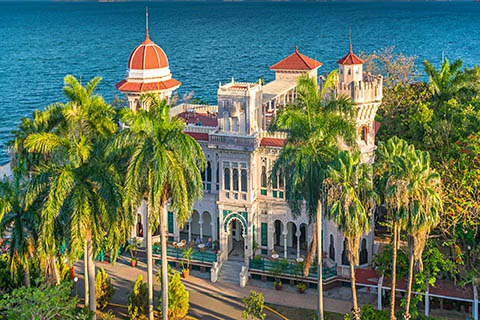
(208, 42)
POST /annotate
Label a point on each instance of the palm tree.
(21, 220)
(391, 185)
(449, 80)
(163, 167)
(313, 125)
(79, 186)
(424, 191)
(350, 201)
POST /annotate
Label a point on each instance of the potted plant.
(187, 256)
(301, 287)
(133, 246)
(278, 284)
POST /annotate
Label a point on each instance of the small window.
(349, 71)
(244, 180)
(226, 180)
(235, 179)
(209, 172)
(364, 133)
(264, 177)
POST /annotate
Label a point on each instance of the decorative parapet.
(235, 87)
(185, 107)
(200, 129)
(232, 142)
(367, 90)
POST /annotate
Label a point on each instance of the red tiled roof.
(366, 276)
(204, 119)
(272, 142)
(350, 58)
(147, 56)
(296, 61)
(198, 135)
(124, 85)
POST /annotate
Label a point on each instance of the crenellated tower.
(365, 90)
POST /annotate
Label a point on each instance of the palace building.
(240, 204)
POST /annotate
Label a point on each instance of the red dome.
(147, 56)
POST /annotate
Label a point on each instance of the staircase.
(231, 271)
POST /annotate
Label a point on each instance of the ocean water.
(41, 42)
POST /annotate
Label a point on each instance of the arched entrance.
(236, 240)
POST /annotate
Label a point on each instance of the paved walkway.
(210, 300)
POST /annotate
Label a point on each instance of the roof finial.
(146, 22)
(296, 48)
(350, 37)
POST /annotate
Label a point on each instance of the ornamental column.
(189, 229)
(285, 233)
(298, 234)
(200, 223)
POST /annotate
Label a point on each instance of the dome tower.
(148, 71)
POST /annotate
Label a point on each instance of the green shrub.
(42, 302)
(177, 296)
(254, 304)
(104, 289)
(368, 312)
(138, 300)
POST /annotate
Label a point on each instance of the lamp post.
(75, 281)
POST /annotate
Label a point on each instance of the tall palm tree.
(164, 167)
(350, 201)
(424, 190)
(314, 125)
(79, 187)
(21, 220)
(391, 186)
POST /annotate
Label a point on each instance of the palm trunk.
(163, 240)
(56, 274)
(320, 264)
(406, 315)
(27, 274)
(85, 273)
(311, 252)
(91, 280)
(394, 270)
(356, 310)
(149, 268)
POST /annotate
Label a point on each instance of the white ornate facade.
(240, 206)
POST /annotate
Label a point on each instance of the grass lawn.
(303, 314)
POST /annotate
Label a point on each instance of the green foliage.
(133, 245)
(254, 304)
(64, 270)
(138, 300)
(302, 286)
(178, 297)
(104, 289)
(384, 262)
(186, 257)
(370, 313)
(41, 303)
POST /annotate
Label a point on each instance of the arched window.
(280, 182)
(364, 252)
(244, 180)
(235, 179)
(345, 260)
(139, 226)
(226, 178)
(331, 248)
(349, 71)
(364, 133)
(209, 172)
(274, 181)
(264, 177)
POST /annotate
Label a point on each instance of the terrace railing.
(279, 268)
(197, 256)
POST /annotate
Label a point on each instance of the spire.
(350, 37)
(296, 48)
(146, 24)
